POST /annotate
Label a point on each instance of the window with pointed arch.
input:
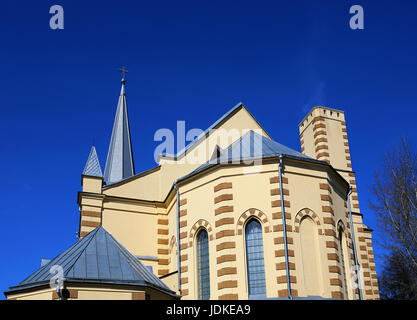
(255, 258)
(342, 258)
(203, 267)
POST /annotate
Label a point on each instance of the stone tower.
(323, 136)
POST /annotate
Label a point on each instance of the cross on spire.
(123, 71)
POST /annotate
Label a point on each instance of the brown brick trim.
(138, 296)
(277, 203)
(222, 186)
(163, 231)
(337, 295)
(163, 262)
(284, 293)
(225, 233)
(325, 186)
(226, 271)
(93, 224)
(228, 297)
(334, 269)
(162, 272)
(323, 154)
(327, 209)
(317, 133)
(276, 192)
(325, 197)
(330, 232)
(282, 266)
(183, 202)
(196, 226)
(226, 258)
(224, 221)
(333, 256)
(84, 233)
(332, 244)
(252, 213)
(280, 240)
(86, 213)
(328, 220)
(223, 209)
(278, 215)
(227, 284)
(323, 147)
(283, 279)
(275, 179)
(281, 253)
(226, 245)
(319, 125)
(162, 241)
(223, 197)
(319, 140)
(183, 212)
(163, 222)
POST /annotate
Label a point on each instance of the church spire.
(119, 163)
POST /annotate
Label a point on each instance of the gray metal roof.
(97, 258)
(119, 163)
(251, 146)
(92, 167)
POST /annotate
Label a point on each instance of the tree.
(397, 280)
(395, 191)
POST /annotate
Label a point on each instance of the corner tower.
(323, 136)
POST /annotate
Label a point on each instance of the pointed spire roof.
(97, 258)
(92, 167)
(119, 163)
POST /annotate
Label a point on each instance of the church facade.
(251, 219)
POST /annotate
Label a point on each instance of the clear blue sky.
(187, 60)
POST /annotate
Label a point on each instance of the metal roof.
(251, 146)
(119, 163)
(92, 167)
(97, 258)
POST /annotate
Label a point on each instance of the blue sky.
(187, 60)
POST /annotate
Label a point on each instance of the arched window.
(342, 261)
(255, 258)
(310, 256)
(203, 268)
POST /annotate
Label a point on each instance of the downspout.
(58, 288)
(280, 168)
(357, 267)
(178, 237)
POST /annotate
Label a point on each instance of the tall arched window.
(203, 268)
(310, 255)
(255, 258)
(342, 261)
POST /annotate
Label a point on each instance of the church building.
(233, 215)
